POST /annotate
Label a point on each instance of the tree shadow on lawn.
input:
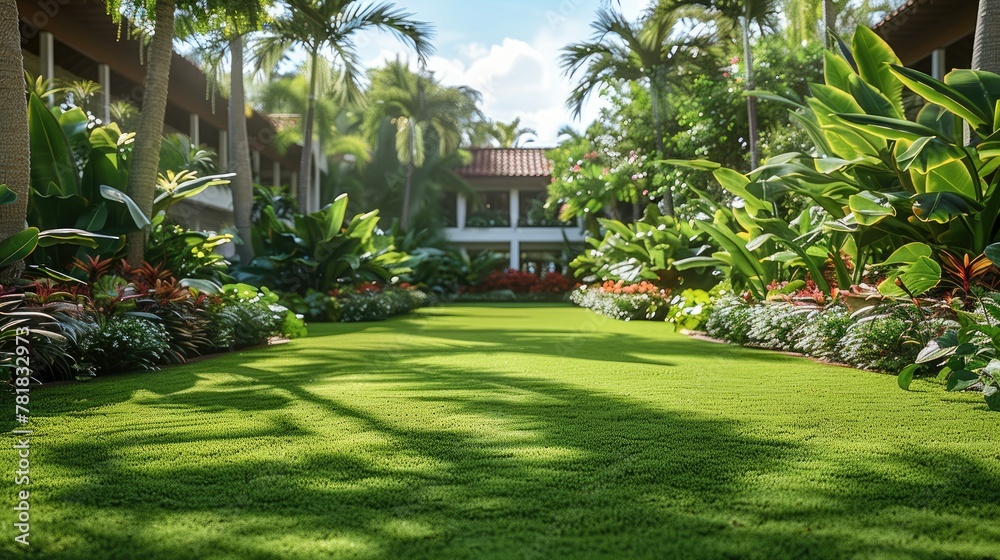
(502, 466)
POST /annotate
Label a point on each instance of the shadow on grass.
(509, 466)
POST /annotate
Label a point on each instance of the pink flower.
(576, 169)
(734, 60)
(604, 171)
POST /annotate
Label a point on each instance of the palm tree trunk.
(404, 220)
(829, 22)
(751, 101)
(242, 185)
(986, 46)
(305, 176)
(146, 152)
(14, 157)
(655, 91)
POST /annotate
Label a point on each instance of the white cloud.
(519, 77)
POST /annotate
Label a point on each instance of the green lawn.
(507, 432)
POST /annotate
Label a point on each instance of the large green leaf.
(190, 188)
(874, 58)
(942, 207)
(909, 253)
(981, 88)
(942, 94)
(52, 162)
(836, 71)
(871, 99)
(905, 377)
(139, 219)
(72, 236)
(736, 183)
(928, 153)
(7, 196)
(870, 208)
(960, 380)
(18, 246)
(888, 128)
(918, 277)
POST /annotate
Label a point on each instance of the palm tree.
(146, 149)
(218, 35)
(622, 51)
(149, 134)
(325, 28)
(422, 112)
(14, 157)
(509, 134)
(986, 46)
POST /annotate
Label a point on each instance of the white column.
(276, 173)
(104, 78)
(515, 207)
(46, 58)
(462, 211)
(194, 129)
(938, 64)
(255, 162)
(515, 254)
(224, 150)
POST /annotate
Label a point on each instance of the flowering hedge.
(618, 300)
(522, 283)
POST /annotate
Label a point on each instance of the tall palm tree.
(509, 134)
(986, 45)
(14, 157)
(622, 51)
(738, 17)
(423, 112)
(148, 136)
(217, 36)
(328, 29)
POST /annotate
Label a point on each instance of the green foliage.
(78, 175)
(645, 250)
(690, 309)
(123, 343)
(321, 250)
(967, 355)
(187, 253)
(378, 305)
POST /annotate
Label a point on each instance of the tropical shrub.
(821, 333)
(966, 355)
(894, 192)
(690, 309)
(643, 251)
(123, 343)
(244, 315)
(379, 304)
(320, 251)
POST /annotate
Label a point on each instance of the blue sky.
(508, 50)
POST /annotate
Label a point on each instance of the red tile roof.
(507, 162)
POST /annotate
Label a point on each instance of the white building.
(505, 215)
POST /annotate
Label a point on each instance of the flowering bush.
(624, 302)
(123, 343)
(520, 282)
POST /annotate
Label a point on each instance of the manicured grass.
(507, 432)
